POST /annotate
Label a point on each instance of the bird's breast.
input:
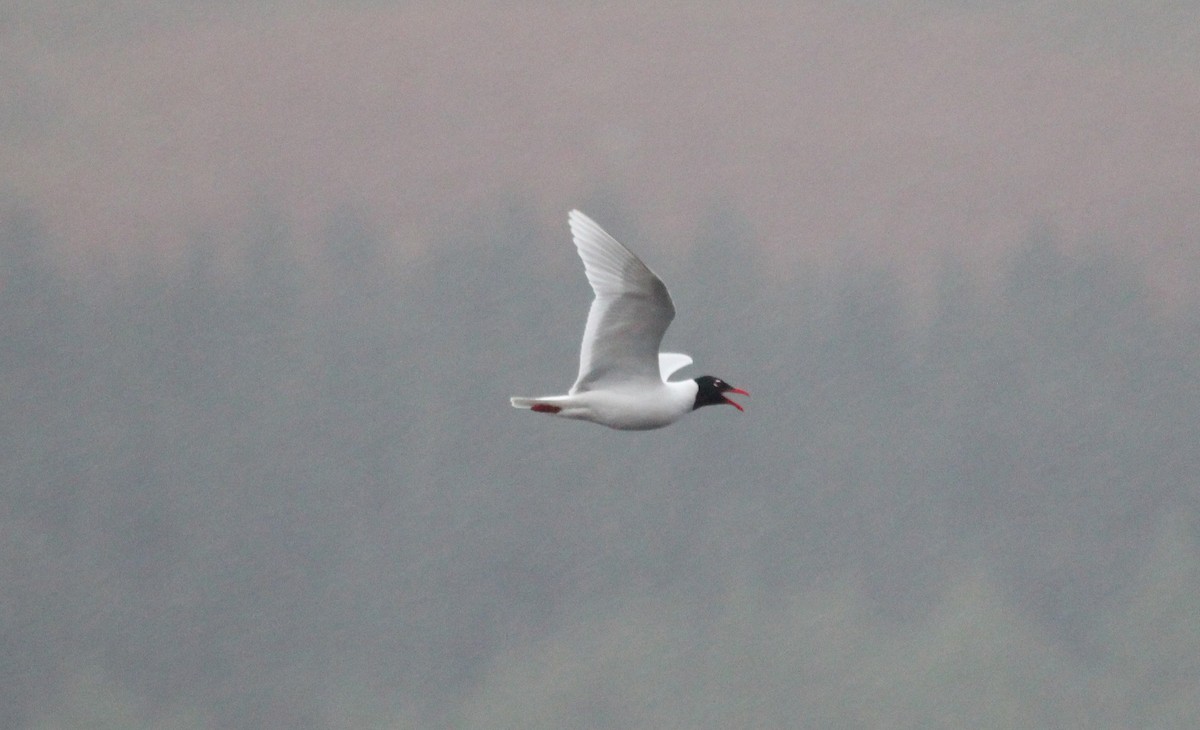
(641, 408)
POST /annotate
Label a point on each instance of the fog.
(258, 465)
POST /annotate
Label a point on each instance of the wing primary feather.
(629, 315)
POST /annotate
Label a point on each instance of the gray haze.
(260, 316)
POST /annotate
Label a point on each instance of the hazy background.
(269, 272)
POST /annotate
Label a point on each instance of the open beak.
(739, 391)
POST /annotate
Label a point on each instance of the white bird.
(622, 379)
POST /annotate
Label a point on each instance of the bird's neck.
(684, 391)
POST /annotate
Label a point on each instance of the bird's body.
(638, 405)
(623, 378)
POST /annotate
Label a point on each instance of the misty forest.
(269, 487)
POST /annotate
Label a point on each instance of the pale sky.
(891, 127)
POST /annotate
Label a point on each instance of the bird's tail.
(538, 405)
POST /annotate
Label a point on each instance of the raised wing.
(627, 320)
(669, 362)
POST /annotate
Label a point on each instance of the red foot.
(545, 408)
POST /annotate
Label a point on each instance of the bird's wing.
(627, 320)
(669, 362)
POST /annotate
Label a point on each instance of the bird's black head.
(711, 391)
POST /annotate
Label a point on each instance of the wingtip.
(583, 227)
(576, 215)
